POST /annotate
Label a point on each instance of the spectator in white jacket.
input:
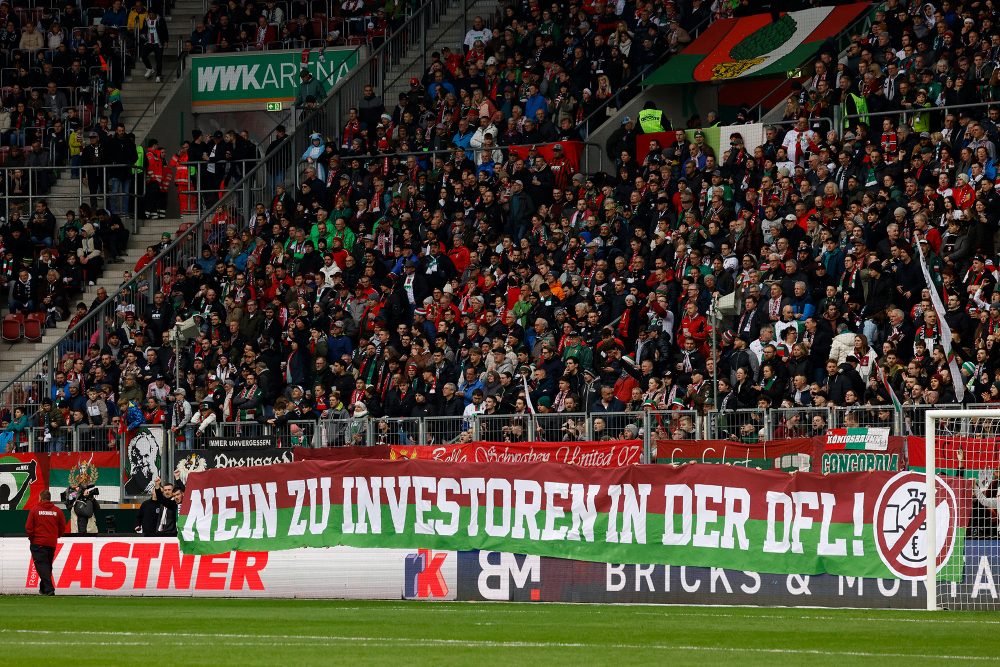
(477, 31)
(205, 420)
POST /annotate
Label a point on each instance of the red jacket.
(46, 524)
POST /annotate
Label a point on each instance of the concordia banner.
(857, 524)
(610, 454)
(248, 81)
(830, 453)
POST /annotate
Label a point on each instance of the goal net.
(961, 460)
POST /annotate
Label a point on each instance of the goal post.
(960, 543)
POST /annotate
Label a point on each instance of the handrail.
(152, 98)
(945, 108)
(148, 273)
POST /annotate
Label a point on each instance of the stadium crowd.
(469, 279)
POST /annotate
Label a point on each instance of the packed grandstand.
(442, 266)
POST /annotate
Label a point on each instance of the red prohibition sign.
(900, 524)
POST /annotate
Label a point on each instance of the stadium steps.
(448, 32)
(14, 356)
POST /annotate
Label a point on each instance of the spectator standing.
(45, 525)
(153, 36)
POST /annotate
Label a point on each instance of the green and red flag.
(756, 45)
(102, 469)
(897, 406)
(870, 524)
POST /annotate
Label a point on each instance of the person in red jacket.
(45, 525)
(155, 202)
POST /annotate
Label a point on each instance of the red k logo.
(423, 575)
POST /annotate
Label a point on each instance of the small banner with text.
(609, 454)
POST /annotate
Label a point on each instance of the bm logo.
(505, 576)
(423, 577)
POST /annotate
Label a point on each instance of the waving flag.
(956, 375)
(756, 45)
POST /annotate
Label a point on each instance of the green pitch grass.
(127, 631)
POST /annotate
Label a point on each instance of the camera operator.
(81, 501)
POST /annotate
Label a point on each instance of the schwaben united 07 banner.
(756, 45)
(857, 524)
(608, 454)
(248, 81)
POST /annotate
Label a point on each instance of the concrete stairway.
(450, 31)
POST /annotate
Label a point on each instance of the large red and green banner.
(101, 469)
(756, 45)
(607, 454)
(869, 524)
(825, 454)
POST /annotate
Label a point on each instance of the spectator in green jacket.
(309, 87)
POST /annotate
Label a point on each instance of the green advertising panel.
(250, 81)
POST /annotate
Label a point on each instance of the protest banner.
(856, 524)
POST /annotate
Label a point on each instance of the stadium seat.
(11, 328)
(33, 327)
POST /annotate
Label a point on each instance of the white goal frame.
(930, 441)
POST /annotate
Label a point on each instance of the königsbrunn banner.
(867, 524)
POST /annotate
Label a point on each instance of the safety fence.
(646, 426)
(117, 188)
(937, 113)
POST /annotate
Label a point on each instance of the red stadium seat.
(11, 328)
(33, 328)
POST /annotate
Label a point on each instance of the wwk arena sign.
(250, 81)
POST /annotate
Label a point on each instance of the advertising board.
(131, 565)
(251, 81)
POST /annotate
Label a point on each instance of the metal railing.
(67, 437)
(798, 422)
(748, 426)
(938, 111)
(24, 186)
